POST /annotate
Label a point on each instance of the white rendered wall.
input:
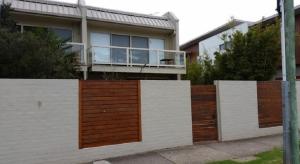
(39, 121)
(238, 111)
(211, 45)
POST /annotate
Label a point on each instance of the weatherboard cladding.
(98, 14)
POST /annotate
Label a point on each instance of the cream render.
(84, 20)
(39, 121)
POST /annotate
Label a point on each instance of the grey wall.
(238, 111)
(39, 121)
(166, 113)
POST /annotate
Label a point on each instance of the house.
(110, 44)
(213, 41)
(272, 20)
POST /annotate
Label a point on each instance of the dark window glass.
(18, 28)
(140, 56)
(63, 34)
(222, 47)
(226, 45)
(34, 29)
(119, 54)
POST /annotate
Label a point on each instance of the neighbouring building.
(213, 41)
(272, 20)
(110, 44)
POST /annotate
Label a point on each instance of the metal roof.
(209, 34)
(128, 18)
(47, 7)
(272, 19)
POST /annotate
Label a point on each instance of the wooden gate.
(269, 98)
(204, 113)
(109, 113)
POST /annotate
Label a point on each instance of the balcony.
(77, 49)
(136, 60)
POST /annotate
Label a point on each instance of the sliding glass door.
(140, 56)
(156, 44)
(101, 53)
(119, 55)
(113, 49)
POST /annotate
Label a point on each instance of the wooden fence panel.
(109, 112)
(204, 113)
(269, 97)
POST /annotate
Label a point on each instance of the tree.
(201, 72)
(36, 54)
(254, 55)
(194, 73)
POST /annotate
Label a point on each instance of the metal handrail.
(81, 55)
(129, 62)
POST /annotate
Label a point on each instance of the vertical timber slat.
(269, 98)
(109, 112)
(204, 113)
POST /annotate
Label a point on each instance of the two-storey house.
(110, 44)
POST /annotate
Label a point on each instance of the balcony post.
(81, 4)
(157, 58)
(127, 56)
(130, 58)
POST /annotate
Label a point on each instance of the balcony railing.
(127, 56)
(77, 49)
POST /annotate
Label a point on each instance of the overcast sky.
(196, 16)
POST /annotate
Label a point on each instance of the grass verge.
(271, 157)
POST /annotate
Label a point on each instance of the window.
(156, 44)
(140, 56)
(34, 29)
(19, 28)
(224, 46)
(102, 55)
(119, 55)
(63, 34)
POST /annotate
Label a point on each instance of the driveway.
(198, 154)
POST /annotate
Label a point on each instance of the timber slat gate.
(109, 112)
(269, 97)
(204, 113)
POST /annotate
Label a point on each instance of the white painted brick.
(33, 134)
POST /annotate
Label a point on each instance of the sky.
(196, 17)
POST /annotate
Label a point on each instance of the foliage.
(194, 73)
(37, 54)
(254, 55)
(6, 20)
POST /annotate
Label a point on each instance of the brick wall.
(39, 121)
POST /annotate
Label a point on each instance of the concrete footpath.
(204, 153)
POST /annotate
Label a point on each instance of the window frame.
(130, 41)
(44, 26)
